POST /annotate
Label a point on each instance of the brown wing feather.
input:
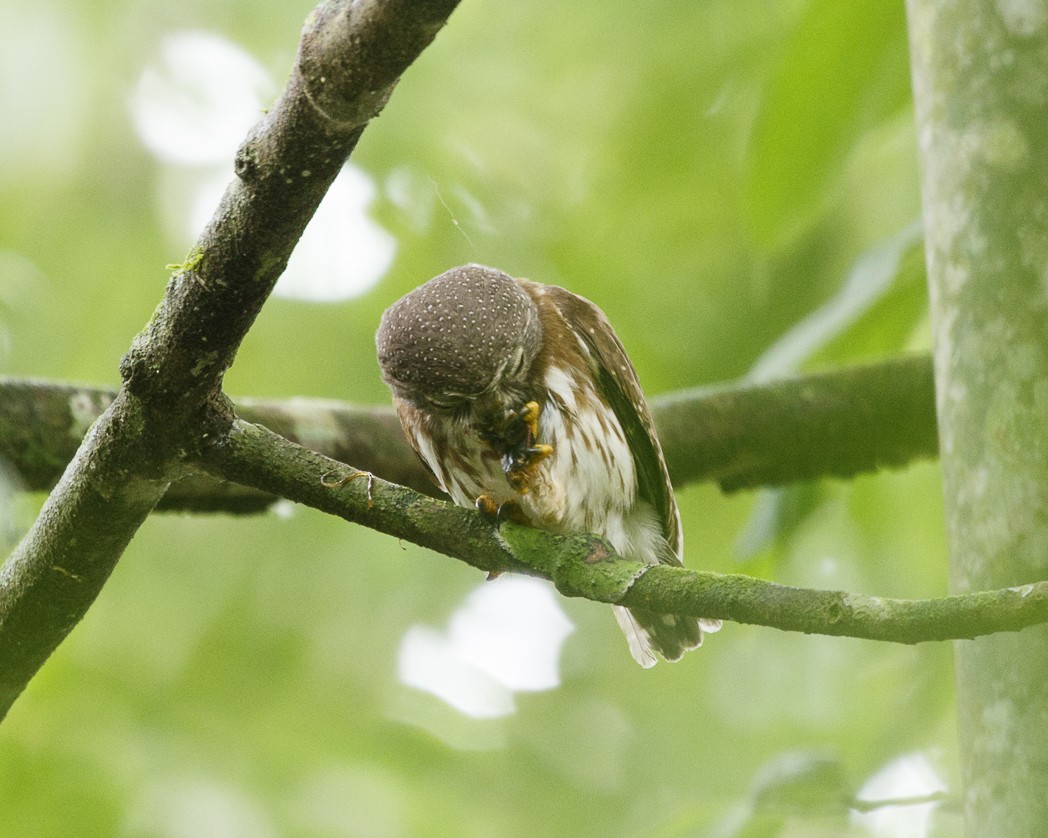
(621, 387)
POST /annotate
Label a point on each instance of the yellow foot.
(537, 453)
(520, 466)
(511, 511)
(508, 511)
(530, 417)
(487, 507)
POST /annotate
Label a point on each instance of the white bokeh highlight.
(46, 93)
(505, 638)
(196, 807)
(195, 104)
(908, 776)
(192, 108)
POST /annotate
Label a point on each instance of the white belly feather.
(589, 484)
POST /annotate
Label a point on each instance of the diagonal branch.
(350, 56)
(58, 569)
(587, 566)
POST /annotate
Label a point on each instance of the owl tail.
(648, 632)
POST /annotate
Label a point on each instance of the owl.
(521, 401)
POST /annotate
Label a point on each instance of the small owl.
(520, 399)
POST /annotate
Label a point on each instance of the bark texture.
(980, 74)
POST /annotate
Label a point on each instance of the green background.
(735, 183)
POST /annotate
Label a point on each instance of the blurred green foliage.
(711, 174)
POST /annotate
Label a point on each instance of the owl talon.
(520, 466)
(511, 511)
(487, 507)
(537, 453)
(529, 415)
(500, 512)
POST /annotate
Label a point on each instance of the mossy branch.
(587, 566)
(834, 424)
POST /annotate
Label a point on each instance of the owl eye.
(516, 366)
(446, 401)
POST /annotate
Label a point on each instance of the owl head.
(468, 335)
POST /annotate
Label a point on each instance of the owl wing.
(620, 386)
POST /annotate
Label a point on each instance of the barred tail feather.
(671, 636)
(709, 626)
(637, 638)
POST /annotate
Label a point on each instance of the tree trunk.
(980, 78)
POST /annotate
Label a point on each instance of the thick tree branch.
(831, 424)
(986, 241)
(42, 423)
(350, 56)
(55, 573)
(586, 565)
